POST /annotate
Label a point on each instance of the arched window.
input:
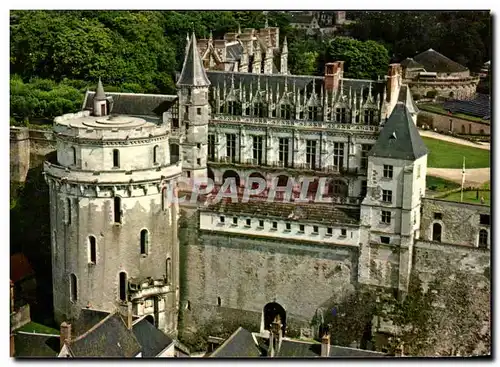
(117, 209)
(68, 211)
(73, 287)
(483, 238)
(436, 232)
(92, 250)
(116, 158)
(123, 286)
(219, 301)
(164, 198)
(73, 151)
(155, 154)
(144, 242)
(168, 270)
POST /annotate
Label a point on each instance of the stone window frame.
(92, 249)
(125, 286)
(343, 232)
(478, 243)
(386, 196)
(388, 171)
(156, 149)
(144, 242)
(67, 211)
(73, 288)
(431, 230)
(384, 214)
(73, 153)
(116, 158)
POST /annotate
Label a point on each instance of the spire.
(239, 28)
(193, 74)
(99, 94)
(267, 23)
(285, 46)
(210, 36)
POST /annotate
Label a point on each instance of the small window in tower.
(385, 240)
(198, 111)
(198, 145)
(329, 231)
(73, 287)
(116, 158)
(117, 209)
(123, 286)
(261, 223)
(343, 232)
(73, 151)
(235, 220)
(92, 250)
(187, 109)
(484, 219)
(275, 225)
(198, 161)
(315, 229)
(155, 154)
(301, 228)
(288, 226)
(438, 216)
(68, 211)
(168, 271)
(248, 222)
(222, 219)
(188, 305)
(219, 301)
(187, 126)
(144, 242)
(188, 174)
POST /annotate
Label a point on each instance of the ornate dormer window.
(259, 109)
(234, 108)
(286, 111)
(370, 116)
(312, 113)
(341, 115)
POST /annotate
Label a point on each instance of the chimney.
(393, 83)
(11, 296)
(325, 345)
(230, 37)
(129, 315)
(12, 346)
(65, 333)
(334, 71)
(275, 337)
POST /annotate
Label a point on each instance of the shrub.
(431, 94)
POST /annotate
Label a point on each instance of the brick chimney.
(129, 315)
(393, 83)
(65, 333)
(12, 346)
(325, 345)
(334, 71)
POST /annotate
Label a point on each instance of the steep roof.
(152, 340)
(36, 345)
(406, 98)
(433, 61)
(133, 103)
(193, 73)
(240, 344)
(109, 338)
(87, 319)
(100, 95)
(409, 63)
(399, 137)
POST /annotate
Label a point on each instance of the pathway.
(452, 139)
(473, 176)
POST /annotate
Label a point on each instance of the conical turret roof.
(99, 94)
(193, 74)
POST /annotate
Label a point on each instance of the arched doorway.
(150, 319)
(255, 185)
(436, 232)
(230, 174)
(271, 310)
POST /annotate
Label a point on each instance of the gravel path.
(452, 139)
(473, 176)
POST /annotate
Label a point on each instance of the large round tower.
(114, 231)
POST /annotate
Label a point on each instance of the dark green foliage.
(431, 94)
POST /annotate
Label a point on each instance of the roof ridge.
(93, 328)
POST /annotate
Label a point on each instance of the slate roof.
(399, 137)
(409, 63)
(318, 213)
(109, 338)
(193, 73)
(133, 103)
(406, 98)
(240, 344)
(36, 346)
(20, 267)
(100, 95)
(480, 106)
(152, 340)
(433, 61)
(87, 320)
(234, 52)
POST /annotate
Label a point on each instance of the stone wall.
(445, 123)
(28, 148)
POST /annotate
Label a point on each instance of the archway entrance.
(271, 310)
(150, 319)
(230, 174)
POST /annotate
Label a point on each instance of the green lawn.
(470, 197)
(34, 327)
(443, 154)
(438, 184)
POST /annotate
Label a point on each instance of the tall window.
(311, 153)
(387, 171)
(68, 211)
(73, 287)
(386, 217)
(365, 148)
(259, 110)
(338, 155)
(155, 154)
(257, 149)
(92, 250)
(174, 153)
(286, 111)
(169, 270)
(164, 198)
(221, 107)
(234, 108)
(284, 148)
(341, 115)
(117, 209)
(144, 242)
(369, 116)
(363, 188)
(211, 147)
(123, 286)
(312, 113)
(387, 196)
(116, 158)
(483, 238)
(231, 146)
(436, 232)
(73, 151)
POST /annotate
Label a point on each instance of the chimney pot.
(325, 345)
(129, 315)
(65, 333)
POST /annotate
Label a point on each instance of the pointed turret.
(285, 46)
(99, 94)
(193, 74)
(399, 137)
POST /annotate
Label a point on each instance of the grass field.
(438, 184)
(443, 154)
(470, 197)
(34, 327)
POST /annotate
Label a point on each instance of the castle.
(118, 240)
